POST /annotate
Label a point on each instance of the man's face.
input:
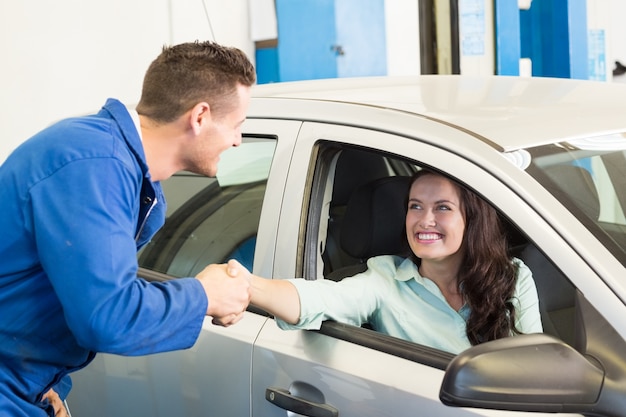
(218, 135)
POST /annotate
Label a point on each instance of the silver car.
(549, 154)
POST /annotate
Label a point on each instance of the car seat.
(354, 168)
(373, 223)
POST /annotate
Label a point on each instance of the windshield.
(589, 177)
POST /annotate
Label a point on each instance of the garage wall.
(403, 39)
(617, 13)
(616, 10)
(67, 57)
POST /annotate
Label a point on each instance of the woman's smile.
(428, 237)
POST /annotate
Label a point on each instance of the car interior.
(366, 218)
(216, 224)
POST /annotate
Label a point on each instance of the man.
(81, 197)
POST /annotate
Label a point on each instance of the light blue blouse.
(394, 299)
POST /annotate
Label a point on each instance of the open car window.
(211, 220)
(344, 249)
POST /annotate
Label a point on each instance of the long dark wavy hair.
(487, 275)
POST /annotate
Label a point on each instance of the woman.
(458, 288)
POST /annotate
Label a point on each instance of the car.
(549, 154)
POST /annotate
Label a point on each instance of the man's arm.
(228, 294)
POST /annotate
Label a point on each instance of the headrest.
(354, 168)
(375, 217)
(577, 184)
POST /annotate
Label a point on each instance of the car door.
(344, 369)
(208, 220)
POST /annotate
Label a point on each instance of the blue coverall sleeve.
(84, 217)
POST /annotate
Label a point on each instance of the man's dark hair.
(186, 74)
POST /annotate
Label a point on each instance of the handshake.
(228, 288)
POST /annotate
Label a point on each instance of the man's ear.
(199, 117)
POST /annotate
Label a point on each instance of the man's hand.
(227, 287)
(56, 402)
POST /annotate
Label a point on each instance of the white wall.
(617, 12)
(67, 57)
(403, 39)
(617, 40)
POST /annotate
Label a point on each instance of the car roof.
(510, 112)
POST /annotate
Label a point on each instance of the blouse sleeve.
(352, 300)
(526, 301)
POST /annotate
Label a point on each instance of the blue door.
(361, 36)
(326, 39)
(306, 33)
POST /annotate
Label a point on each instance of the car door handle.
(282, 398)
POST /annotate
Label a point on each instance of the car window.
(343, 170)
(351, 169)
(211, 220)
(588, 176)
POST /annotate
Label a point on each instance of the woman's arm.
(305, 304)
(528, 315)
(276, 296)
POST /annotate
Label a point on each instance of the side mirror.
(533, 372)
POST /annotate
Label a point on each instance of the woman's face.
(435, 222)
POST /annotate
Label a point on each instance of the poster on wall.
(597, 54)
(472, 27)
